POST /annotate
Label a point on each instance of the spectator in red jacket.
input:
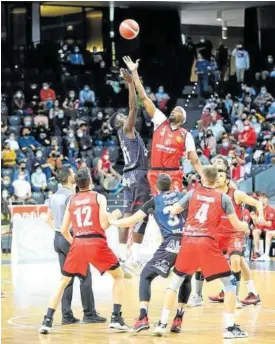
(47, 95)
(226, 146)
(248, 137)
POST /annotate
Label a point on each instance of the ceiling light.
(219, 16)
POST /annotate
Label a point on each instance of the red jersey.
(225, 225)
(168, 147)
(269, 215)
(84, 214)
(204, 212)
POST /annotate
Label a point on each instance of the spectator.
(202, 69)
(27, 142)
(151, 94)
(76, 57)
(22, 167)
(42, 135)
(267, 227)
(214, 71)
(248, 137)
(269, 67)
(203, 159)
(271, 111)
(22, 188)
(161, 97)
(13, 142)
(209, 144)
(41, 119)
(8, 156)
(222, 59)
(262, 98)
(47, 95)
(6, 184)
(226, 146)
(228, 102)
(204, 47)
(193, 181)
(217, 128)
(38, 179)
(105, 168)
(40, 159)
(96, 56)
(237, 170)
(54, 162)
(87, 96)
(242, 61)
(64, 53)
(55, 109)
(256, 125)
(97, 122)
(71, 105)
(18, 100)
(60, 124)
(240, 123)
(71, 145)
(270, 148)
(85, 143)
(105, 132)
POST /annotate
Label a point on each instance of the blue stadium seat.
(98, 151)
(52, 185)
(38, 197)
(7, 172)
(95, 162)
(14, 129)
(14, 120)
(113, 152)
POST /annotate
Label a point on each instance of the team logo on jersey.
(162, 133)
(179, 139)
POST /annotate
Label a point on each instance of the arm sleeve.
(146, 208)
(189, 143)
(158, 118)
(227, 205)
(185, 199)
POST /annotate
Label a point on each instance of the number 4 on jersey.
(202, 213)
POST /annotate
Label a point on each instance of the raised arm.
(133, 106)
(242, 197)
(147, 102)
(127, 222)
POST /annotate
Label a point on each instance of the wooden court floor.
(27, 290)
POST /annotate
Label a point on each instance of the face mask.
(71, 95)
(254, 120)
(56, 104)
(148, 90)
(208, 135)
(39, 171)
(6, 182)
(72, 145)
(106, 157)
(45, 87)
(42, 135)
(161, 90)
(235, 164)
(244, 119)
(60, 115)
(225, 144)
(71, 135)
(33, 87)
(270, 60)
(246, 127)
(18, 95)
(65, 47)
(21, 177)
(26, 135)
(12, 138)
(80, 135)
(86, 88)
(263, 92)
(39, 154)
(76, 51)
(28, 123)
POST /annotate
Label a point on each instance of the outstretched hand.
(132, 66)
(126, 75)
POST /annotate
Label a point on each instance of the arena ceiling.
(192, 12)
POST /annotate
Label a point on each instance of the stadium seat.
(7, 172)
(95, 162)
(38, 197)
(52, 185)
(95, 111)
(14, 120)
(14, 129)
(98, 151)
(113, 152)
(109, 111)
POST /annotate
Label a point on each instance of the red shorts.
(201, 253)
(89, 250)
(232, 243)
(176, 176)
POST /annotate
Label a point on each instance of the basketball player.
(164, 258)
(87, 213)
(170, 140)
(56, 211)
(231, 241)
(199, 249)
(136, 186)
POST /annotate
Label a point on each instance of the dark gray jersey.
(134, 152)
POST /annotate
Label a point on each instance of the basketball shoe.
(217, 298)
(160, 329)
(195, 301)
(251, 299)
(118, 323)
(141, 325)
(234, 332)
(176, 325)
(46, 326)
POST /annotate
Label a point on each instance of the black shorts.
(136, 190)
(165, 256)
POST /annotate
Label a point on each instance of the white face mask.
(21, 177)
(39, 171)
(45, 87)
(80, 134)
(71, 95)
(254, 120)
(246, 127)
(39, 155)
(71, 135)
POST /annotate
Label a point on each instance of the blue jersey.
(168, 224)
(134, 152)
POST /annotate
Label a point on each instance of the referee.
(57, 206)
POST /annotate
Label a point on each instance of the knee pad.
(229, 284)
(176, 282)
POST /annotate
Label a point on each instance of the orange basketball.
(129, 29)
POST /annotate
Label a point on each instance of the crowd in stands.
(48, 122)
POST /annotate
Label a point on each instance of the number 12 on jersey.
(83, 216)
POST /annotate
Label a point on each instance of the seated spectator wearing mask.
(105, 168)
(13, 142)
(270, 149)
(71, 149)
(42, 135)
(151, 94)
(217, 128)
(226, 147)
(254, 123)
(55, 109)
(248, 138)
(237, 170)
(87, 96)
(105, 132)
(237, 110)
(60, 124)
(240, 123)
(71, 105)
(228, 102)
(8, 156)
(27, 142)
(209, 144)
(271, 111)
(161, 97)
(18, 101)
(96, 56)
(269, 67)
(38, 179)
(22, 167)
(85, 143)
(47, 95)
(6, 184)
(54, 162)
(22, 188)
(40, 159)
(76, 57)
(41, 118)
(192, 182)
(97, 122)
(262, 98)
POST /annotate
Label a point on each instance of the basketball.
(129, 29)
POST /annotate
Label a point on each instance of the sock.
(199, 282)
(136, 252)
(228, 319)
(164, 316)
(237, 275)
(123, 252)
(143, 312)
(251, 287)
(50, 313)
(116, 309)
(180, 312)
